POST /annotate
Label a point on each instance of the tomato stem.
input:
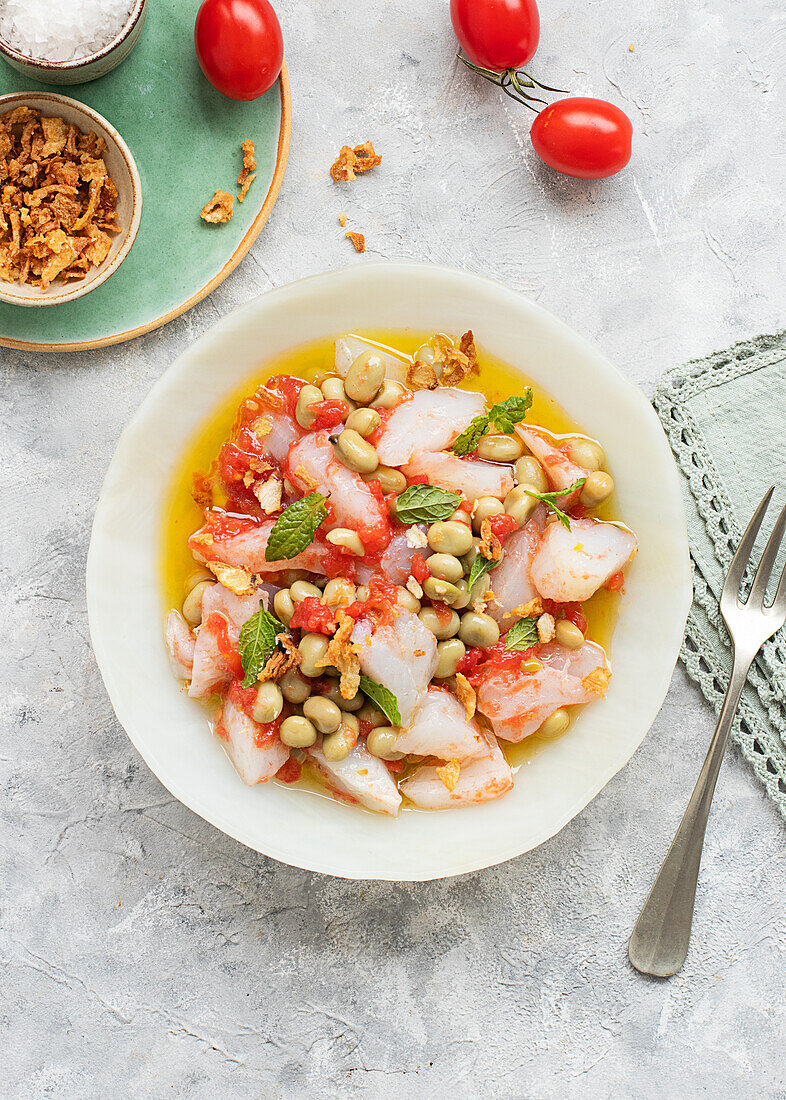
(513, 83)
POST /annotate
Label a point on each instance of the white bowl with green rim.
(125, 584)
(123, 173)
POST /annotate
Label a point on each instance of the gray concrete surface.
(146, 955)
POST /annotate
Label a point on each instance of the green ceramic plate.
(185, 138)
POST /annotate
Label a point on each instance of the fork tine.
(760, 581)
(740, 560)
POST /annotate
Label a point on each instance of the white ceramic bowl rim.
(63, 292)
(123, 579)
(77, 62)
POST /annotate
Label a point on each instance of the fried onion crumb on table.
(218, 210)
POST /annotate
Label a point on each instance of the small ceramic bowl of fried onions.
(70, 199)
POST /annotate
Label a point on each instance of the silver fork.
(660, 939)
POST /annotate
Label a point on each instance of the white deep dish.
(124, 583)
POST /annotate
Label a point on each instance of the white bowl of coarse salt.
(69, 41)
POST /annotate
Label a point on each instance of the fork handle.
(660, 938)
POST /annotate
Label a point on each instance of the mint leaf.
(471, 436)
(510, 412)
(480, 567)
(295, 528)
(504, 416)
(551, 499)
(382, 698)
(523, 634)
(425, 504)
(256, 643)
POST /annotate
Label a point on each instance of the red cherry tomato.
(239, 46)
(587, 138)
(497, 34)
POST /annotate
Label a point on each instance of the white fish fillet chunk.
(472, 477)
(480, 780)
(559, 469)
(517, 703)
(210, 671)
(180, 643)
(395, 564)
(361, 777)
(440, 728)
(255, 758)
(401, 656)
(569, 566)
(510, 581)
(353, 502)
(429, 421)
(348, 348)
(247, 550)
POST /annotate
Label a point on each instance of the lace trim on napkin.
(760, 726)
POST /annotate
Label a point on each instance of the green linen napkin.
(725, 417)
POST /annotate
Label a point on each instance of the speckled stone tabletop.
(143, 953)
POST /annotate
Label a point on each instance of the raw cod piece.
(429, 421)
(472, 477)
(570, 566)
(362, 777)
(247, 550)
(559, 469)
(517, 703)
(210, 670)
(510, 580)
(401, 656)
(353, 502)
(180, 643)
(440, 728)
(479, 780)
(255, 759)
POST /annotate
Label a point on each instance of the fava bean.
(555, 724)
(500, 448)
(339, 593)
(300, 589)
(441, 626)
(365, 377)
(598, 487)
(405, 599)
(531, 664)
(520, 505)
(442, 591)
(337, 746)
(449, 537)
(478, 629)
(322, 713)
(569, 635)
(390, 480)
(307, 397)
(445, 567)
(192, 604)
(449, 653)
(294, 687)
(485, 507)
(297, 732)
(463, 598)
(333, 692)
(283, 606)
(364, 422)
(370, 714)
(313, 648)
(381, 742)
(269, 703)
(355, 453)
(585, 452)
(529, 472)
(333, 390)
(389, 395)
(347, 539)
(461, 516)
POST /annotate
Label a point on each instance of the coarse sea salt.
(61, 30)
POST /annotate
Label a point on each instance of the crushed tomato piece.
(313, 615)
